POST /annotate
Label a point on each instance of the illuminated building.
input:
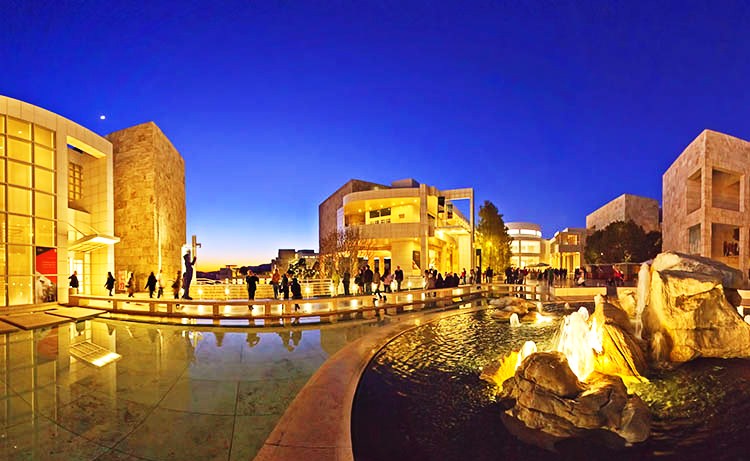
(409, 224)
(528, 246)
(706, 201)
(566, 248)
(59, 204)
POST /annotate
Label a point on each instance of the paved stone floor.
(176, 393)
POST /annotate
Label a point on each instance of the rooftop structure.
(643, 211)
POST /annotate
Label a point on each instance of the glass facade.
(28, 221)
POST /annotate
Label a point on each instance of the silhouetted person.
(296, 292)
(346, 280)
(151, 285)
(188, 276)
(110, 283)
(159, 284)
(399, 277)
(74, 282)
(252, 284)
(285, 286)
(131, 286)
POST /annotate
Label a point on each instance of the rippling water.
(421, 399)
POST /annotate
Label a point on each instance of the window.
(694, 239)
(75, 181)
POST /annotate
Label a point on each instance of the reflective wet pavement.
(176, 393)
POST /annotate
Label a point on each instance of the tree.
(622, 241)
(341, 251)
(493, 237)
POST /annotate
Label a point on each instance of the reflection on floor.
(173, 394)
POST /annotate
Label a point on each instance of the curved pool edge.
(317, 424)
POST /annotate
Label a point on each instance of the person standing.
(367, 279)
(110, 283)
(296, 292)
(131, 286)
(346, 279)
(74, 282)
(188, 276)
(252, 284)
(285, 286)
(176, 285)
(159, 284)
(399, 277)
(275, 280)
(151, 285)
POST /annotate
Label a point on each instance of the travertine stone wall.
(149, 196)
(710, 154)
(643, 211)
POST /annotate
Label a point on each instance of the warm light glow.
(108, 358)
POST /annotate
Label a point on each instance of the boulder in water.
(689, 315)
(546, 404)
(513, 304)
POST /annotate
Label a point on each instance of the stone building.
(409, 224)
(643, 211)
(149, 198)
(706, 200)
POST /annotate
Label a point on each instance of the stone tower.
(149, 199)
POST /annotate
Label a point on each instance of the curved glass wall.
(28, 221)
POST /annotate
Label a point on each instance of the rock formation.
(546, 404)
(689, 314)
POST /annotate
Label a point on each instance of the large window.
(27, 209)
(75, 181)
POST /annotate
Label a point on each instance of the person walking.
(399, 274)
(151, 285)
(346, 279)
(159, 284)
(131, 286)
(275, 280)
(74, 282)
(252, 284)
(188, 276)
(376, 285)
(110, 283)
(176, 285)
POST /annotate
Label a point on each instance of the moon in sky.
(102, 117)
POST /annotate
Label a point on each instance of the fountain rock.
(513, 304)
(689, 313)
(627, 301)
(546, 403)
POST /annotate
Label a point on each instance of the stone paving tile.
(176, 435)
(101, 418)
(41, 439)
(202, 396)
(249, 434)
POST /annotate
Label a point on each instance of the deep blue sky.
(548, 109)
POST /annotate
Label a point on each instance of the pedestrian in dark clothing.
(346, 280)
(399, 277)
(285, 286)
(74, 282)
(367, 279)
(252, 284)
(110, 283)
(151, 285)
(296, 292)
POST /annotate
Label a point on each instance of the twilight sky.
(547, 109)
